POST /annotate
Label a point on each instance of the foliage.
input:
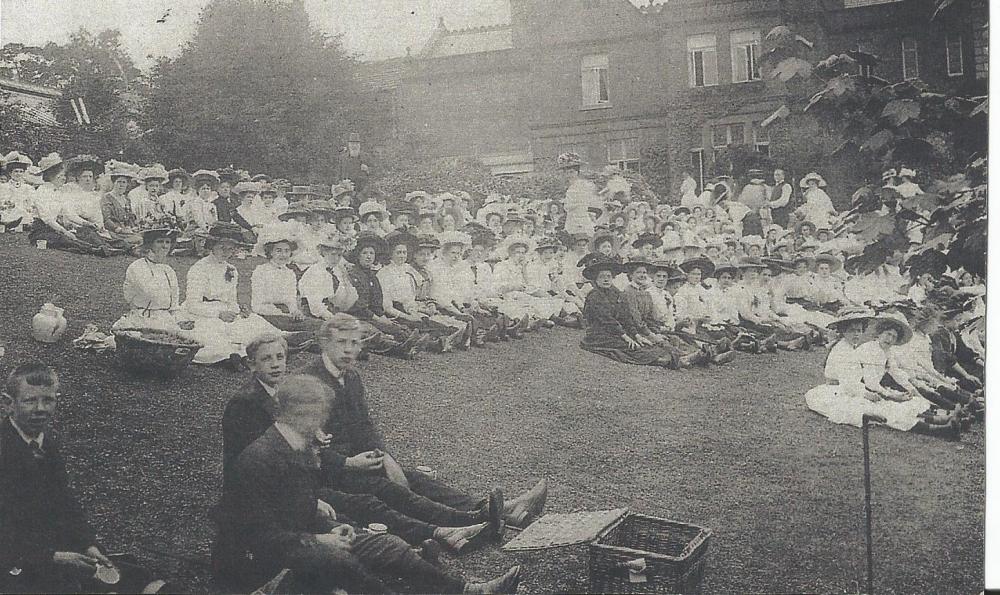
(259, 88)
(21, 133)
(886, 125)
(94, 67)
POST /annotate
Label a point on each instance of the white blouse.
(211, 288)
(272, 286)
(398, 286)
(151, 286)
(317, 285)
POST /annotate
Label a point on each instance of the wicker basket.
(154, 352)
(644, 554)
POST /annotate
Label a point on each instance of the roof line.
(29, 88)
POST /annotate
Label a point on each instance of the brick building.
(611, 81)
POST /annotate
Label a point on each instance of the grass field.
(733, 449)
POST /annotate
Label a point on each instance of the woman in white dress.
(211, 301)
(274, 292)
(855, 373)
(581, 194)
(152, 294)
(817, 208)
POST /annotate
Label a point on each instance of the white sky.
(373, 29)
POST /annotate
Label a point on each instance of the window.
(594, 74)
(724, 135)
(865, 70)
(703, 68)
(953, 54)
(745, 47)
(698, 166)
(761, 140)
(911, 67)
(624, 153)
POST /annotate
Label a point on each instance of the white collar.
(293, 438)
(332, 369)
(28, 440)
(271, 390)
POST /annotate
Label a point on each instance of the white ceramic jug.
(49, 324)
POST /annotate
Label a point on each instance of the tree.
(885, 126)
(259, 88)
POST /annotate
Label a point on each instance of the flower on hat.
(454, 237)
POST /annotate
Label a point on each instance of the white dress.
(211, 290)
(152, 297)
(272, 286)
(580, 196)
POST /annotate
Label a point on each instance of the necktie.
(475, 273)
(36, 450)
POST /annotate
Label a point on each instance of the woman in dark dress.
(611, 330)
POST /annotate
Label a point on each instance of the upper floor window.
(761, 139)
(746, 49)
(594, 74)
(911, 64)
(703, 67)
(953, 54)
(624, 153)
(865, 70)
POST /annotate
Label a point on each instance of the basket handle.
(636, 570)
(694, 543)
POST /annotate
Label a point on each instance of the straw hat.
(812, 176)
(203, 176)
(725, 266)
(224, 232)
(16, 160)
(451, 238)
(706, 266)
(635, 263)
(151, 235)
(273, 234)
(851, 315)
(370, 206)
(335, 240)
(49, 161)
(547, 243)
(155, 172)
(342, 187)
(898, 321)
(834, 262)
(516, 240)
(647, 238)
(243, 187)
(176, 173)
(74, 165)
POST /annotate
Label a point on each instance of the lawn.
(732, 448)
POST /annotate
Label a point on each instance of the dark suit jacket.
(269, 505)
(247, 416)
(39, 514)
(350, 422)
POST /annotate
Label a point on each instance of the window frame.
(757, 142)
(625, 162)
(693, 49)
(915, 51)
(585, 71)
(948, 39)
(737, 46)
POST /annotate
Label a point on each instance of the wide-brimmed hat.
(154, 172)
(906, 172)
(293, 212)
(647, 238)
(751, 263)
(889, 173)
(568, 160)
(368, 239)
(369, 207)
(753, 240)
(514, 240)
(596, 265)
(228, 174)
(803, 223)
(224, 232)
(121, 170)
(302, 190)
(14, 160)
(779, 265)
(848, 315)
(835, 263)
(341, 187)
(274, 234)
(428, 241)
(334, 240)
(706, 266)
(151, 235)
(547, 243)
(427, 213)
(602, 237)
(450, 238)
(903, 330)
(49, 161)
(243, 187)
(341, 213)
(634, 263)
(74, 165)
(682, 211)
(205, 175)
(723, 266)
(260, 178)
(494, 208)
(804, 182)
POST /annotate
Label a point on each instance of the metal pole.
(868, 502)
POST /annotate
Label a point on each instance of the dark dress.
(606, 318)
